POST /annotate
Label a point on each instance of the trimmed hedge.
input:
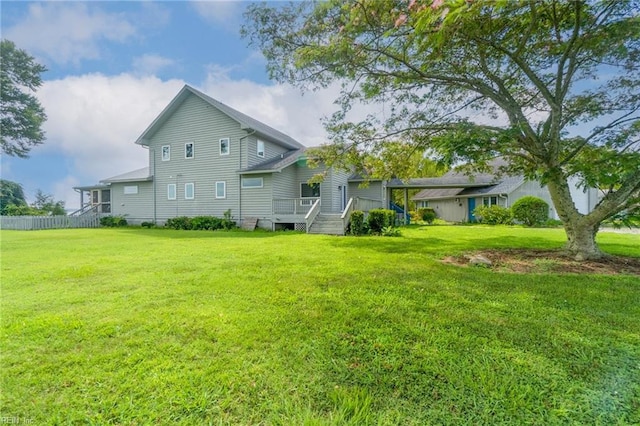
(358, 226)
(427, 214)
(532, 211)
(493, 215)
(379, 219)
(200, 223)
(113, 221)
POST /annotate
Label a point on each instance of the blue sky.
(113, 66)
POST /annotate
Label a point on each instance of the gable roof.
(246, 122)
(140, 175)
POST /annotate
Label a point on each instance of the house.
(455, 195)
(206, 158)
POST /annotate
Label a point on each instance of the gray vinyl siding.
(374, 191)
(339, 179)
(532, 188)
(250, 153)
(197, 122)
(451, 210)
(256, 202)
(136, 208)
(285, 183)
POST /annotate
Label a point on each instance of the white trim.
(193, 150)
(260, 152)
(186, 191)
(170, 187)
(228, 144)
(130, 189)
(252, 186)
(224, 189)
(162, 152)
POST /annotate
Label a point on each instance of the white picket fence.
(27, 223)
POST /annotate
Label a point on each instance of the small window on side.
(224, 146)
(252, 182)
(260, 148)
(188, 150)
(131, 189)
(166, 153)
(189, 191)
(171, 191)
(221, 189)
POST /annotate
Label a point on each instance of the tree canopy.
(552, 86)
(21, 115)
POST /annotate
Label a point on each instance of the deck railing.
(27, 223)
(312, 214)
(346, 214)
(294, 206)
(366, 204)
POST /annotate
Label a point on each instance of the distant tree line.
(13, 202)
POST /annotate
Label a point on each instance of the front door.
(472, 207)
(343, 197)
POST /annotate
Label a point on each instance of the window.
(260, 148)
(309, 190)
(221, 189)
(189, 191)
(252, 182)
(166, 153)
(224, 146)
(129, 190)
(490, 201)
(171, 191)
(188, 150)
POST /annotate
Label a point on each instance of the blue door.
(472, 206)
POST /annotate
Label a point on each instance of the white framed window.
(189, 191)
(130, 189)
(171, 191)
(224, 146)
(189, 150)
(252, 182)
(309, 190)
(490, 201)
(260, 148)
(221, 189)
(166, 152)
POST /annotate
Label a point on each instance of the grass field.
(139, 326)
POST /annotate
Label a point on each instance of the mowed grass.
(138, 326)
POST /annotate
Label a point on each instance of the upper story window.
(189, 191)
(260, 148)
(188, 150)
(224, 146)
(166, 153)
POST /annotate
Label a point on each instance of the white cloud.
(224, 13)
(64, 32)
(149, 64)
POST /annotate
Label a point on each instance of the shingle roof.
(244, 120)
(275, 164)
(139, 175)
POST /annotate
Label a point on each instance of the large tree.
(11, 194)
(21, 115)
(553, 86)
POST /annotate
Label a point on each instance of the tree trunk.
(582, 241)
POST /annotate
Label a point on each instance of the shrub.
(180, 222)
(493, 215)
(391, 231)
(148, 225)
(532, 211)
(206, 223)
(427, 214)
(379, 219)
(113, 221)
(357, 223)
(227, 222)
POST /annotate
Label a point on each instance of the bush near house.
(532, 211)
(201, 223)
(493, 215)
(379, 219)
(113, 221)
(427, 214)
(358, 226)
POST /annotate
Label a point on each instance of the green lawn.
(138, 326)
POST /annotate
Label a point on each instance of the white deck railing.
(366, 204)
(312, 214)
(296, 206)
(346, 214)
(27, 223)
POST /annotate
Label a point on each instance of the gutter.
(240, 174)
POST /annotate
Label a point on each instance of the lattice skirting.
(301, 227)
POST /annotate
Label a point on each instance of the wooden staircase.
(330, 224)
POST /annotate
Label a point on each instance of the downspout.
(506, 199)
(152, 152)
(240, 176)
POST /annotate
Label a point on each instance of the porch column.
(406, 205)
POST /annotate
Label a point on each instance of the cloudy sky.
(113, 66)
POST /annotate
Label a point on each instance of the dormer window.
(260, 148)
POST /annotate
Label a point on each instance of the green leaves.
(21, 115)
